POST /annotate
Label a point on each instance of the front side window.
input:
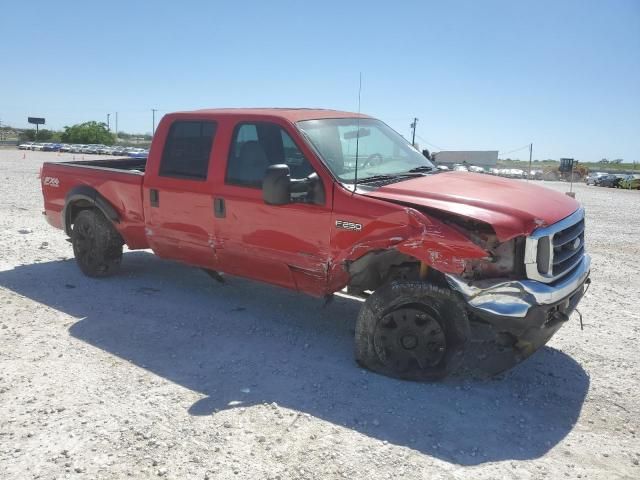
(187, 149)
(378, 149)
(255, 146)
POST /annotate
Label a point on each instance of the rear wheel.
(97, 245)
(412, 330)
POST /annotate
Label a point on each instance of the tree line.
(85, 133)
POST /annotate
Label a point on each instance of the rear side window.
(187, 149)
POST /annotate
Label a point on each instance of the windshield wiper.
(376, 178)
(422, 168)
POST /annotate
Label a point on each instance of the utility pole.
(116, 126)
(108, 115)
(413, 126)
(153, 113)
(530, 155)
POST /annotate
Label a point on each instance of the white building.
(487, 159)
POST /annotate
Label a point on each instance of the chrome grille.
(552, 252)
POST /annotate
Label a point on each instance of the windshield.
(380, 150)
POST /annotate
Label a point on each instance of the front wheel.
(412, 330)
(97, 245)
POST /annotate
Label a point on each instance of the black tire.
(412, 330)
(97, 245)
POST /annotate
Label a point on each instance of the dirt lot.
(160, 371)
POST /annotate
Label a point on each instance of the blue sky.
(486, 75)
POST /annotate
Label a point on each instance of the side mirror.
(278, 188)
(276, 185)
(311, 187)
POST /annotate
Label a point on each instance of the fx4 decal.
(51, 182)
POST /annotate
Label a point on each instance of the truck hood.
(511, 207)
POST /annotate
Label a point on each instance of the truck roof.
(290, 114)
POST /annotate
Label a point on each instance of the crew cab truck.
(321, 200)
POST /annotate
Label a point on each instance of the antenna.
(355, 176)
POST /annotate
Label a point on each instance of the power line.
(428, 143)
(516, 150)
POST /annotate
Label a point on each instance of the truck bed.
(135, 165)
(118, 181)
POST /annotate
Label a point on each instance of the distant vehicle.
(104, 150)
(476, 169)
(611, 181)
(631, 182)
(512, 173)
(26, 146)
(118, 150)
(536, 174)
(65, 147)
(460, 168)
(443, 168)
(593, 177)
(138, 153)
(38, 146)
(51, 147)
(93, 149)
(76, 148)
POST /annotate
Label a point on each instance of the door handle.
(154, 197)
(219, 209)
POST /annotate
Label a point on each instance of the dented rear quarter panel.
(122, 190)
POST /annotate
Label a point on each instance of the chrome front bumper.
(514, 298)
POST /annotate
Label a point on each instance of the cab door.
(287, 245)
(178, 194)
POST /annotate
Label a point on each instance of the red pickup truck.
(321, 200)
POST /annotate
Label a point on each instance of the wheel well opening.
(74, 209)
(377, 268)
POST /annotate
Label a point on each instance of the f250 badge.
(348, 225)
(51, 182)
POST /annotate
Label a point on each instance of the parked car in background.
(444, 168)
(26, 146)
(536, 174)
(92, 149)
(38, 146)
(51, 147)
(592, 178)
(138, 153)
(118, 150)
(611, 181)
(460, 168)
(476, 169)
(104, 150)
(65, 147)
(631, 182)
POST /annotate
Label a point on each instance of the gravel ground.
(162, 372)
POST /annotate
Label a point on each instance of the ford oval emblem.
(576, 244)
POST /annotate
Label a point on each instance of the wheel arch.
(377, 267)
(83, 197)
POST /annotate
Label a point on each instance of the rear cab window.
(187, 149)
